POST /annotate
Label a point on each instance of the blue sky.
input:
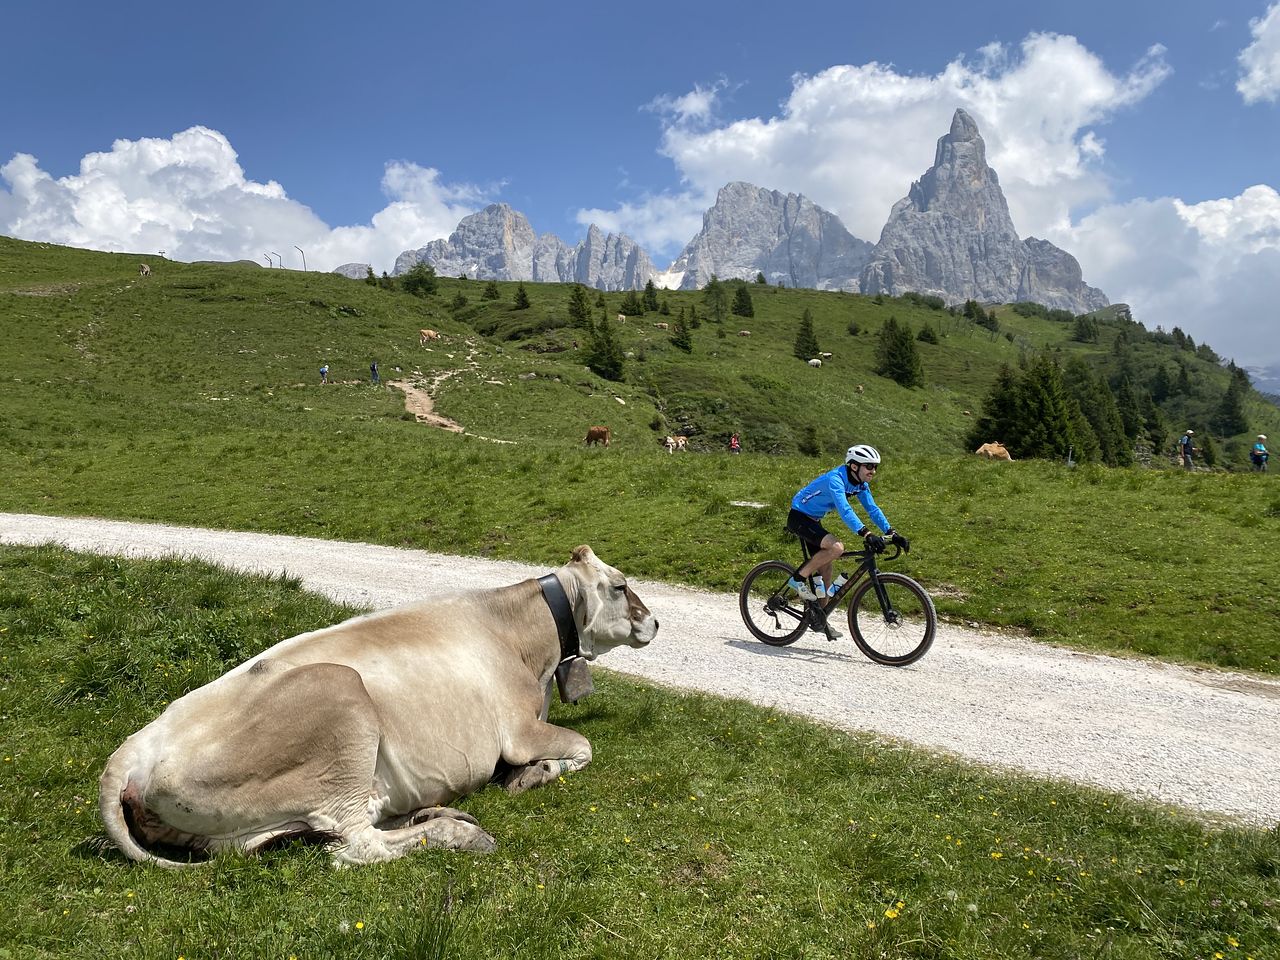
(1143, 137)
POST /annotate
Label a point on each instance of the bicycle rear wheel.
(897, 636)
(771, 610)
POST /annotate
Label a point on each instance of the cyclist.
(832, 491)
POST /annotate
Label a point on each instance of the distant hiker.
(735, 445)
(373, 373)
(1259, 454)
(1186, 447)
(324, 374)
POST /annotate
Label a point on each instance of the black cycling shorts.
(805, 527)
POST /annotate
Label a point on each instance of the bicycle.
(891, 617)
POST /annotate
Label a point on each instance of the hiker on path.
(373, 373)
(324, 373)
(1258, 455)
(1186, 447)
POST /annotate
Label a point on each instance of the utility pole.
(304, 257)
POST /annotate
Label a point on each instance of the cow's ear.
(581, 553)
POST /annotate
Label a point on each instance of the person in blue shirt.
(1259, 454)
(829, 492)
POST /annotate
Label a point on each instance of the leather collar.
(562, 613)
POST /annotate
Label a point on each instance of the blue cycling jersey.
(831, 491)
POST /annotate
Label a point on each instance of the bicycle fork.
(886, 606)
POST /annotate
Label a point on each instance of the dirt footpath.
(1199, 739)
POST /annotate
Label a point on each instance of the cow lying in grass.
(356, 734)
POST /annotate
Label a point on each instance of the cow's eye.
(620, 587)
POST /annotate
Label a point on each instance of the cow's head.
(606, 610)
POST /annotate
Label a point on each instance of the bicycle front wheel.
(899, 635)
(771, 610)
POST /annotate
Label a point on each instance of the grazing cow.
(744, 333)
(622, 318)
(924, 407)
(815, 362)
(426, 335)
(597, 435)
(670, 443)
(825, 356)
(357, 734)
(662, 326)
(993, 451)
(967, 413)
(675, 443)
(144, 270)
(859, 389)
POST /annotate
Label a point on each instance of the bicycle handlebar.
(864, 553)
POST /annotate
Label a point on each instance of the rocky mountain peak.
(952, 236)
(498, 243)
(786, 236)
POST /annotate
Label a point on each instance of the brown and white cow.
(596, 435)
(356, 735)
(993, 451)
(144, 270)
(674, 443)
(425, 336)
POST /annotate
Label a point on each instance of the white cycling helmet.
(863, 453)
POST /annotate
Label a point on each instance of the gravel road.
(1204, 740)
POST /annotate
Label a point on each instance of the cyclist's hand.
(898, 540)
(874, 542)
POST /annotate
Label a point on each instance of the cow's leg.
(449, 829)
(539, 752)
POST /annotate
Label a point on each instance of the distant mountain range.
(951, 236)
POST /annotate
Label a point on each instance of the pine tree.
(714, 297)
(1098, 405)
(760, 279)
(806, 345)
(1048, 419)
(665, 309)
(369, 278)
(695, 321)
(604, 356)
(631, 305)
(521, 300)
(650, 299)
(579, 309)
(681, 339)
(896, 354)
(999, 418)
(742, 305)
(1229, 418)
(420, 280)
(1130, 412)
(491, 291)
(926, 334)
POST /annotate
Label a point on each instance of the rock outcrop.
(499, 244)
(355, 271)
(785, 236)
(952, 237)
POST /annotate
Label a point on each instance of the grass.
(192, 397)
(704, 827)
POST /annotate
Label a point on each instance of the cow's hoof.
(454, 834)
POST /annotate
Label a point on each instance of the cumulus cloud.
(1211, 268)
(1260, 61)
(189, 197)
(852, 138)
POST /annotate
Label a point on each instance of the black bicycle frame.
(866, 567)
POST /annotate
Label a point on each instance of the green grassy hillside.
(192, 396)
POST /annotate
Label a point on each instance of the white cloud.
(1211, 268)
(189, 197)
(852, 138)
(1260, 61)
